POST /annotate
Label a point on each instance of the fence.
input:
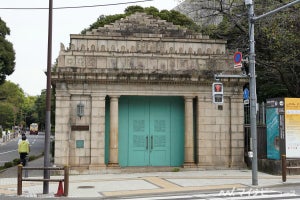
(261, 132)
(65, 179)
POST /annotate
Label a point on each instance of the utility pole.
(48, 104)
(253, 99)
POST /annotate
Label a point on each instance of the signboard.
(292, 127)
(237, 58)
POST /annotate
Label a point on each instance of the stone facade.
(144, 56)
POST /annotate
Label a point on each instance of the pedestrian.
(23, 149)
(20, 139)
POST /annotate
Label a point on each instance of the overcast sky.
(29, 32)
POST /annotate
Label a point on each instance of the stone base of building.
(189, 165)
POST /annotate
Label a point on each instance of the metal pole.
(283, 168)
(276, 10)
(253, 99)
(48, 104)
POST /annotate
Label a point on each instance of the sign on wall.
(292, 127)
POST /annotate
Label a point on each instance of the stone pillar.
(188, 133)
(113, 134)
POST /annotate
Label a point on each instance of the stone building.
(138, 93)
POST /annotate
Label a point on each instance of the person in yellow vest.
(23, 149)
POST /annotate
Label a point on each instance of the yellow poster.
(292, 127)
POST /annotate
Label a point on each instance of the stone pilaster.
(97, 132)
(62, 128)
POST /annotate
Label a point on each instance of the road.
(9, 150)
(278, 193)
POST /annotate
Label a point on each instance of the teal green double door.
(151, 131)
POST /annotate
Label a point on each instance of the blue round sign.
(237, 57)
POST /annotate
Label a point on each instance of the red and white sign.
(237, 58)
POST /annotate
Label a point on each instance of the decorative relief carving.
(209, 51)
(190, 50)
(82, 48)
(172, 64)
(163, 65)
(140, 63)
(102, 48)
(183, 64)
(112, 63)
(133, 49)
(137, 46)
(199, 51)
(113, 48)
(131, 62)
(70, 61)
(153, 48)
(138, 125)
(91, 62)
(80, 62)
(160, 126)
(72, 47)
(93, 48)
(152, 63)
(123, 49)
(180, 50)
(171, 50)
(101, 62)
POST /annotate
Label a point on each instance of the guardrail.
(65, 179)
(284, 167)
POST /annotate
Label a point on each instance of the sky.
(29, 32)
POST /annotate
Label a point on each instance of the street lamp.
(253, 100)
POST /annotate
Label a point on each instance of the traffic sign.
(237, 57)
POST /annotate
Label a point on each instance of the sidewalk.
(122, 184)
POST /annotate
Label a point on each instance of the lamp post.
(253, 100)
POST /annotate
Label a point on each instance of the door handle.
(147, 142)
(151, 142)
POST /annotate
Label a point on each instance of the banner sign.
(292, 127)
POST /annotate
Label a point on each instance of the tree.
(7, 53)
(29, 114)
(277, 43)
(171, 16)
(6, 115)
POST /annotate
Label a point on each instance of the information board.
(292, 127)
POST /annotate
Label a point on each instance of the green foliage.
(7, 53)
(31, 158)
(171, 16)
(20, 110)
(16, 161)
(176, 169)
(103, 20)
(8, 164)
(6, 115)
(14, 99)
(277, 45)
(133, 9)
